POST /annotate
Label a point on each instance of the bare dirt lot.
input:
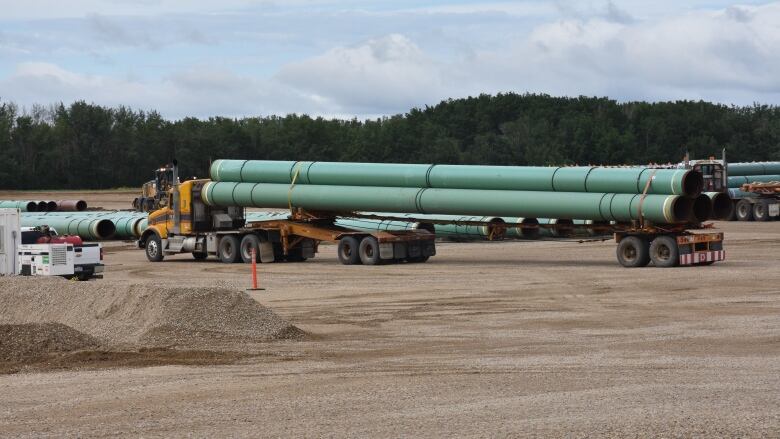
(486, 339)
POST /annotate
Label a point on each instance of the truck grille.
(59, 256)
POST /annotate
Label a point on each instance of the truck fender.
(145, 236)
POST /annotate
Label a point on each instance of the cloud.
(380, 75)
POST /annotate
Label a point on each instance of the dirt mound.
(32, 341)
(142, 315)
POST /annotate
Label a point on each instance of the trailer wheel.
(633, 252)
(664, 251)
(153, 248)
(199, 256)
(761, 211)
(744, 211)
(369, 251)
(348, 250)
(229, 249)
(249, 242)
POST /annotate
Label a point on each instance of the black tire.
(229, 249)
(761, 211)
(153, 248)
(247, 243)
(200, 255)
(369, 251)
(664, 252)
(349, 250)
(633, 252)
(744, 210)
(417, 259)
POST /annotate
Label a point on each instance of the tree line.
(88, 146)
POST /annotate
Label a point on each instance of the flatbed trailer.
(639, 242)
(756, 202)
(295, 240)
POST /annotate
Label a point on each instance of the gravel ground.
(34, 341)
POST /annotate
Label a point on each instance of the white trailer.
(10, 240)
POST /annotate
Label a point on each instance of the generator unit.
(46, 260)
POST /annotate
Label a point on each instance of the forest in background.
(87, 146)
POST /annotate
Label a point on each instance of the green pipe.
(126, 224)
(88, 228)
(562, 231)
(659, 209)
(520, 178)
(721, 205)
(753, 168)
(738, 181)
(23, 205)
(528, 232)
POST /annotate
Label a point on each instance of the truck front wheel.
(153, 248)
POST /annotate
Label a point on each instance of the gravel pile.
(142, 315)
(32, 341)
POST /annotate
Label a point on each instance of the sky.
(371, 58)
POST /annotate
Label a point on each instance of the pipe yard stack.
(94, 225)
(663, 196)
(45, 206)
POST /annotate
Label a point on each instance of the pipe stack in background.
(587, 193)
(95, 225)
(754, 172)
(45, 206)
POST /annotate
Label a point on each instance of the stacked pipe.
(587, 193)
(752, 172)
(45, 206)
(95, 225)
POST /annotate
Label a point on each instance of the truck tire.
(153, 248)
(295, 255)
(761, 211)
(369, 251)
(633, 252)
(248, 242)
(744, 211)
(664, 252)
(348, 250)
(199, 256)
(229, 249)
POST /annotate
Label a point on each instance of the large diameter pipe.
(520, 178)
(563, 227)
(43, 206)
(71, 205)
(738, 181)
(23, 205)
(525, 228)
(127, 225)
(88, 228)
(753, 168)
(721, 205)
(661, 209)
